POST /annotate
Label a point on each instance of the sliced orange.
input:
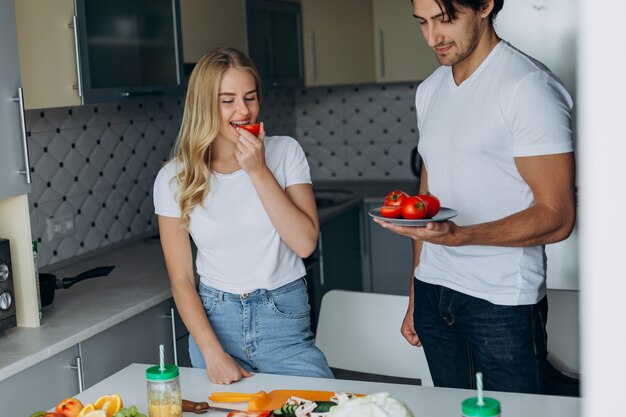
(86, 409)
(110, 404)
(95, 413)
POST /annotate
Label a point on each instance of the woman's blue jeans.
(264, 331)
(462, 335)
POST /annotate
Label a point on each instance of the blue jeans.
(462, 335)
(264, 331)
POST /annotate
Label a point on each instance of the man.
(496, 141)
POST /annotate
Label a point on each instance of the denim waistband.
(260, 294)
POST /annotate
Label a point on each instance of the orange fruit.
(86, 409)
(95, 413)
(110, 404)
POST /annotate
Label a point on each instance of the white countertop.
(423, 401)
(138, 282)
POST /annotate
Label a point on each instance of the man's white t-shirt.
(511, 106)
(239, 249)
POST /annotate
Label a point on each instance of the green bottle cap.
(490, 407)
(155, 373)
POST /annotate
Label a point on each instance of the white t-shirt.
(239, 250)
(511, 106)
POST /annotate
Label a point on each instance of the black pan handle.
(92, 273)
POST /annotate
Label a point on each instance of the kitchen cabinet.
(15, 172)
(339, 254)
(275, 41)
(47, 53)
(208, 24)
(135, 340)
(181, 334)
(401, 52)
(337, 38)
(388, 257)
(14, 164)
(42, 385)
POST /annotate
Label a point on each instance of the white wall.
(602, 144)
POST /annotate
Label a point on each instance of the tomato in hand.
(432, 204)
(255, 128)
(391, 212)
(395, 198)
(414, 208)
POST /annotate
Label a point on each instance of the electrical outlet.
(58, 227)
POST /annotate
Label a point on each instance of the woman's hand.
(223, 369)
(250, 151)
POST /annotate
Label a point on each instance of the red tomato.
(414, 208)
(252, 128)
(432, 204)
(392, 212)
(395, 198)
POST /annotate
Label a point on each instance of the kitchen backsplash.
(96, 164)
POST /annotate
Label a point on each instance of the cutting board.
(269, 400)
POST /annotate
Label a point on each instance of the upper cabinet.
(47, 52)
(75, 52)
(14, 166)
(208, 24)
(275, 41)
(401, 52)
(337, 39)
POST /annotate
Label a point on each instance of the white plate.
(443, 215)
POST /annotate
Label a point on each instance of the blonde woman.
(248, 205)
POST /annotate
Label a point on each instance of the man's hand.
(440, 233)
(408, 330)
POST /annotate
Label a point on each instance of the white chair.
(359, 331)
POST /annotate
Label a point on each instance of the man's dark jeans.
(462, 335)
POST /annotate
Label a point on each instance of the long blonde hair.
(201, 123)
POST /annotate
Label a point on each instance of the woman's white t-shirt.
(511, 106)
(239, 249)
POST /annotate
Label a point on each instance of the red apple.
(53, 415)
(69, 407)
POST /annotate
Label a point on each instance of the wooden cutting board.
(272, 400)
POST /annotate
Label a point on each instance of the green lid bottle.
(480, 406)
(164, 391)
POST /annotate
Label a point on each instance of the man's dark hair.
(449, 7)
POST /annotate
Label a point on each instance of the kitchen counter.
(138, 282)
(362, 191)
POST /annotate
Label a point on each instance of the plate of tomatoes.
(418, 210)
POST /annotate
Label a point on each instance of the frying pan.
(269, 400)
(48, 283)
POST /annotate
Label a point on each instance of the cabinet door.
(41, 386)
(47, 53)
(388, 258)
(13, 151)
(207, 24)
(337, 37)
(339, 257)
(135, 340)
(182, 338)
(401, 50)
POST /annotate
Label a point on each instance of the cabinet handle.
(173, 317)
(320, 257)
(20, 100)
(79, 371)
(312, 56)
(79, 77)
(381, 52)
